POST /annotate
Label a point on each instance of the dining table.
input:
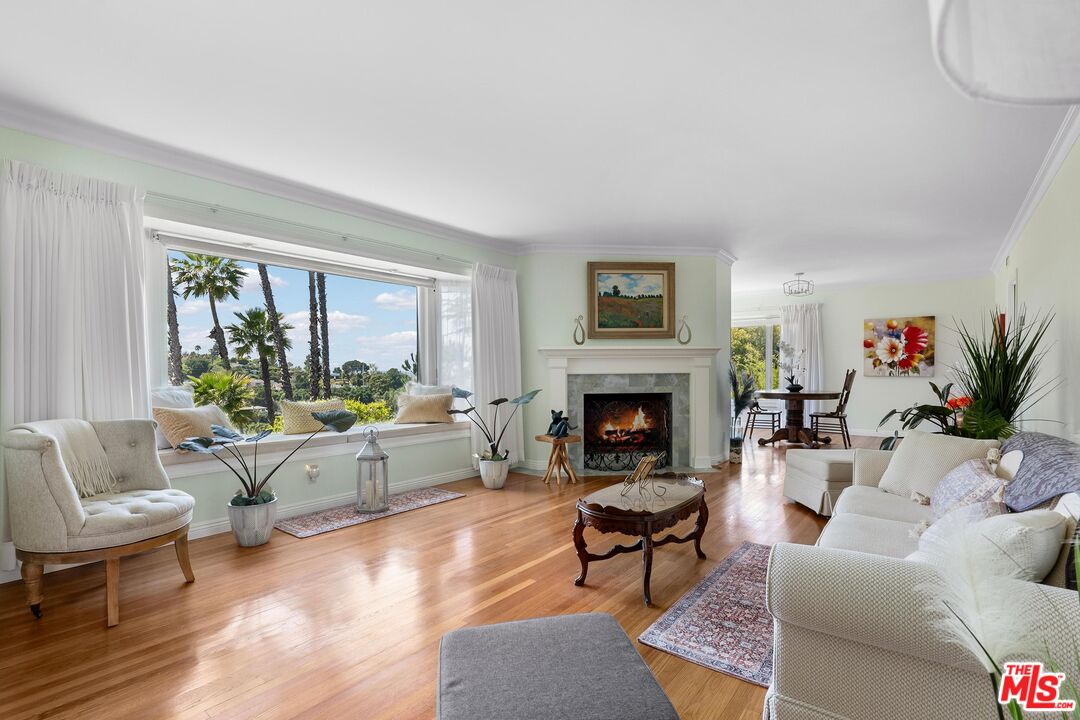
(794, 403)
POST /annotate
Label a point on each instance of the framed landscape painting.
(899, 346)
(631, 300)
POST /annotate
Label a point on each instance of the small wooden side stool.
(559, 459)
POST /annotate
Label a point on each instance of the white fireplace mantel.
(697, 362)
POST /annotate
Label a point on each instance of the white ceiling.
(813, 136)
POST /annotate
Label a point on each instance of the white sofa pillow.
(923, 459)
(169, 396)
(1023, 546)
(415, 388)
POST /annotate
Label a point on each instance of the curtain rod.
(337, 235)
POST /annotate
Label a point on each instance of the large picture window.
(755, 347)
(246, 335)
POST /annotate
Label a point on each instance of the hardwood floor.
(347, 624)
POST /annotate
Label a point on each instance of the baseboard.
(205, 528)
(536, 465)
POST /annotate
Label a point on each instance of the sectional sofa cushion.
(1051, 468)
(868, 535)
(923, 459)
(972, 481)
(871, 502)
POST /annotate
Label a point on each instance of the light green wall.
(1044, 263)
(214, 489)
(553, 291)
(843, 311)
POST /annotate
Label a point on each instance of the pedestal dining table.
(795, 431)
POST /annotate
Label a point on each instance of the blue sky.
(369, 321)
(631, 283)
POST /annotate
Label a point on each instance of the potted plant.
(743, 388)
(495, 461)
(253, 509)
(791, 363)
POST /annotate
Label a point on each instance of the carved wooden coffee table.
(642, 512)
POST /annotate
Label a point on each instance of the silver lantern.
(372, 475)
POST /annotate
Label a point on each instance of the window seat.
(275, 447)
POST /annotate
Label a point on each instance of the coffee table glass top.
(657, 496)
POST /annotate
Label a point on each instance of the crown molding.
(1060, 147)
(630, 251)
(34, 120)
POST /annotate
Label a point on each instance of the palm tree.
(324, 330)
(314, 364)
(254, 335)
(214, 278)
(176, 370)
(281, 343)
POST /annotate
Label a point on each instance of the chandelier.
(798, 286)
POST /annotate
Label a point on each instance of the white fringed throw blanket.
(82, 453)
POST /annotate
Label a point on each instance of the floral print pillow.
(972, 482)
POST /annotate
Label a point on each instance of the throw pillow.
(296, 415)
(1023, 546)
(970, 482)
(922, 460)
(169, 396)
(179, 424)
(424, 409)
(415, 388)
(1051, 467)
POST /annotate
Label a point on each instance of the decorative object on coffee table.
(495, 461)
(631, 300)
(559, 460)
(722, 622)
(253, 509)
(641, 515)
(796, 432)
(641, 478)
(372, 475)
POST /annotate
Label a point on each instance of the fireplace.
(621, 428)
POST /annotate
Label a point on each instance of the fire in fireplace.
(619, 429)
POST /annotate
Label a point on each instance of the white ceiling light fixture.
(1014, 51)
(799, 287)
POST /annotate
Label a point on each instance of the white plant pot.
(493, 473)
(252, 524)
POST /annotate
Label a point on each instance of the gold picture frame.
(631, 300)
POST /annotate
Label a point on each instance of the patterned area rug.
(322, 521)
(722, 622)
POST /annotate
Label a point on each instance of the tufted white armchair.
(51, 524)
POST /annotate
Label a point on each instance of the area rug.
(722, 622)
(323, 521)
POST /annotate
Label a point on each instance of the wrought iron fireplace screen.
(620, 429)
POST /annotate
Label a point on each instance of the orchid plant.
(494, 452)
(253, 490)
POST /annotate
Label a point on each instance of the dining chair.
(760, 417)
(835, 420)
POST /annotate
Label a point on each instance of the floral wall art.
(899, 347)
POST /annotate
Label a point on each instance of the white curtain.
(800, 327)
(497, 351)
(455, 349)
(72, 306)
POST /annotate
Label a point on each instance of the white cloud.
(401, 340)
(192, 307)
(400, 300)
(339, 322)
(252, 283)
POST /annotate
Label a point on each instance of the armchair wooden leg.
(31, 575)
(181, 545)
(112, 590)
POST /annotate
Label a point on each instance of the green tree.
(324, 333)
(748, 351)
(314, 355)
(229, 391)
(254, 335)
(216, 279)
(176, 371)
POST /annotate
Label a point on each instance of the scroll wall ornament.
(579, 330)
(683, 327)
(1013, 51)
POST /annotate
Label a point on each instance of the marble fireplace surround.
(683, 371)
(677, 385)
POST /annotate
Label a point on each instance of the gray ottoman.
(570, 666)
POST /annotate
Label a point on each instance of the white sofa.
(858, 628)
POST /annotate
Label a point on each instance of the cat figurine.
(560, 426)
